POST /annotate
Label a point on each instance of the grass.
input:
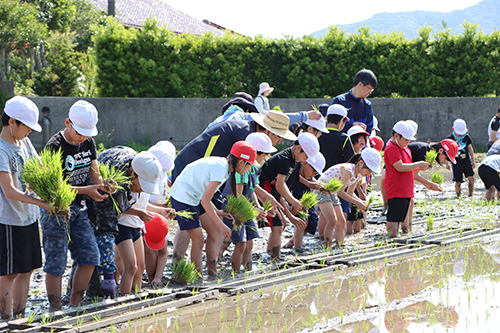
(241, 210)
(185, 272)
(437, 178)
(333, 185)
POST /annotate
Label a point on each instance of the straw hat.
(276, 122)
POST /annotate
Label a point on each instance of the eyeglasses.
(368, 87)
(76, 130)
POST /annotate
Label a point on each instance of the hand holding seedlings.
(168, 213)
(144, 215)
(423, 165)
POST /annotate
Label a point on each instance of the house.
(133, 13)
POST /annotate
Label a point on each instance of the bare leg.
(53, 283)
(392, 229)
(490, 193)
(181, 243)
(139, 258)
(458, 191)
(20, 289)
(196, 236)
(328, 214)
(247, 256)
(406, 225)
(211, 248)
(80, 282)
(237, 257)
(297, 238)
(340, 227)
(471, 185)
(127, 255)
(150, 259)
(275, 241)
(321, 226)
(225, 242)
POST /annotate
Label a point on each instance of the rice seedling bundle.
(333, 185)
(186, 214)
(113, 180)
(168, 202)
(240, 209)
(308, 201)
(437, 178)
(267, 205)
(431, 156)
(371, 199)
(185, 272)
(45, 178)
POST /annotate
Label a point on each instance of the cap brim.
(452, 159)
(147, 187)
(377, 170)
(285, 134)
(34, 127)
(85, 131)
(155, 246)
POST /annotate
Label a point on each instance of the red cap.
(155, 232)
(377, 142)
(450, 147)
(245, 151)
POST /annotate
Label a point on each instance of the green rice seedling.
(185, 272)
(240, 209)
(437, 178)
(168, 202)
(430, 223)
(333, 185)
(431, 156)
(113, 180)
(308, 201)
(371, 199)
(45, 178)
(186, 214)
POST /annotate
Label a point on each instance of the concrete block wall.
(179, 120)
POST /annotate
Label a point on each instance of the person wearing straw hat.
(20, 251)
(261, 101)
(273, 178)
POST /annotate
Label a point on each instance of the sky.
(276, 18)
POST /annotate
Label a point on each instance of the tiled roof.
(135, 12)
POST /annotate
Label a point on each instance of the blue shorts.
(312, 221)
(81, 242)
(126, 232)
(247, 232)
(105, 243)
(346, 205)
(187, 224)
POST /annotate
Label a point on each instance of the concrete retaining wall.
(181, 119)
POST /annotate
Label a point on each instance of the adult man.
(493, 133)
(360, 110)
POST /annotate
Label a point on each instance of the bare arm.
(427, 183)
(407, 167)
(349, 194)
(13, 193)
(493, 136)
(206, 202)
(471, 154)
(92, 190)
(263, 196)
(285, 193)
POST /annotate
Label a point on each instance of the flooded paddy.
(451, 289)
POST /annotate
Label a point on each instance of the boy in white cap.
(20, 251)
(465, 159)
(261, 102)
(399, 186)
(79, 161)
(272, 178)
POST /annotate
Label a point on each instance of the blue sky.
(275, 18)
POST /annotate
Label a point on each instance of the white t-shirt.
(12, 159)
(493, 161)
(133, 221)
(191, 184)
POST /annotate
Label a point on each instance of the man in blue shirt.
(355, 101)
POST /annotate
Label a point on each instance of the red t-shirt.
(397, 184)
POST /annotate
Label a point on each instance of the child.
(300, 181)
(315, 127)
(350, 173)
(465, 159)
(489, 171)
(245, 185)
(273, 175)
(399, 178)
(193, 191)
(79, 161)
(355, 218)
(20, 250)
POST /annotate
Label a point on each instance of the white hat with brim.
(164, 151)
(375, 124)
(318, 163)
(404, 129)
(356, 130)
(460, 127)
(317, 124)
(148, 170)
(22, 109)
(276, 122)
(83, 117)
(261, 142)
(264, 86)
(372, 159)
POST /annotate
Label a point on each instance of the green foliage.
(437, 178)
(430, 223)
(241, 210)
(185, 272)
(308, 200)
(186, 214)
(333, 185)
(138, 147)
(154, 62)
(431, 156)
(114, 180)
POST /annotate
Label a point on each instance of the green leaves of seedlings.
(113, 180)
(185, 272)
(437, 178)
(241, 210)
(308, 201)
(333, 185)
(431, 156)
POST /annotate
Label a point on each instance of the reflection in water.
(449, 290)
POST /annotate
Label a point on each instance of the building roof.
(133, 13)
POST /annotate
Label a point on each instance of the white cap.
(318, 162)
(261, 142)
(164, 151)
(318, 124)
(460, 127)
(356, 130)
(337, 109)
(264, 86)
(309, 144)
(372, 159)
(406, 130)
(148, 169)
(83, 116)
(375, 124)
(413, 125)
(22, 109)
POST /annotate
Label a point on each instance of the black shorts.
(397, 209)
(20, 249)
(463, 167)
(489, 176)
(127, 233)
(217, 200)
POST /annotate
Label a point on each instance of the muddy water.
(449, 289)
